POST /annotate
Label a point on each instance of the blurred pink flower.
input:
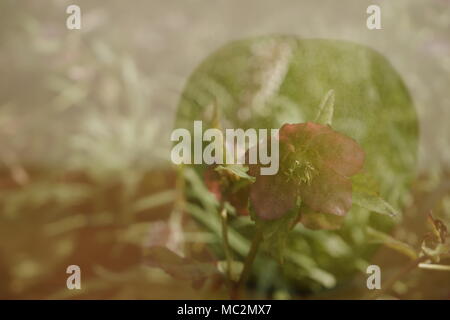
(315, 165)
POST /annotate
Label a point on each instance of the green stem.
(257, 238)
(226, 244)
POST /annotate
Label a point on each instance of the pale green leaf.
(326, 109)
(236, 170)
(373, 203)
(154, 200)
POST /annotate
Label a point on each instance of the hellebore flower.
(316, 164)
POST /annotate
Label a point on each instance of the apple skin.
(267, 81)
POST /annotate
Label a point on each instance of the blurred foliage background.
(85, 119)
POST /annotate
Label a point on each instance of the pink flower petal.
(328, 192)
(271, 196)
(339, 152)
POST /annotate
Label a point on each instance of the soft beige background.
(163, 41)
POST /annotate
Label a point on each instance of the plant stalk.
(226, 244)
(257, 239)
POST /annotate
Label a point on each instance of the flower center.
(301, 171)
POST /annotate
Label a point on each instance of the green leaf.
(326, 109)
(212, 221)
(236, 170)
(154, 200)
(198, 190)
(365, 183)
(392, 243)
(311, 269)
(323, 277)
(365, 194)
(373, 203)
